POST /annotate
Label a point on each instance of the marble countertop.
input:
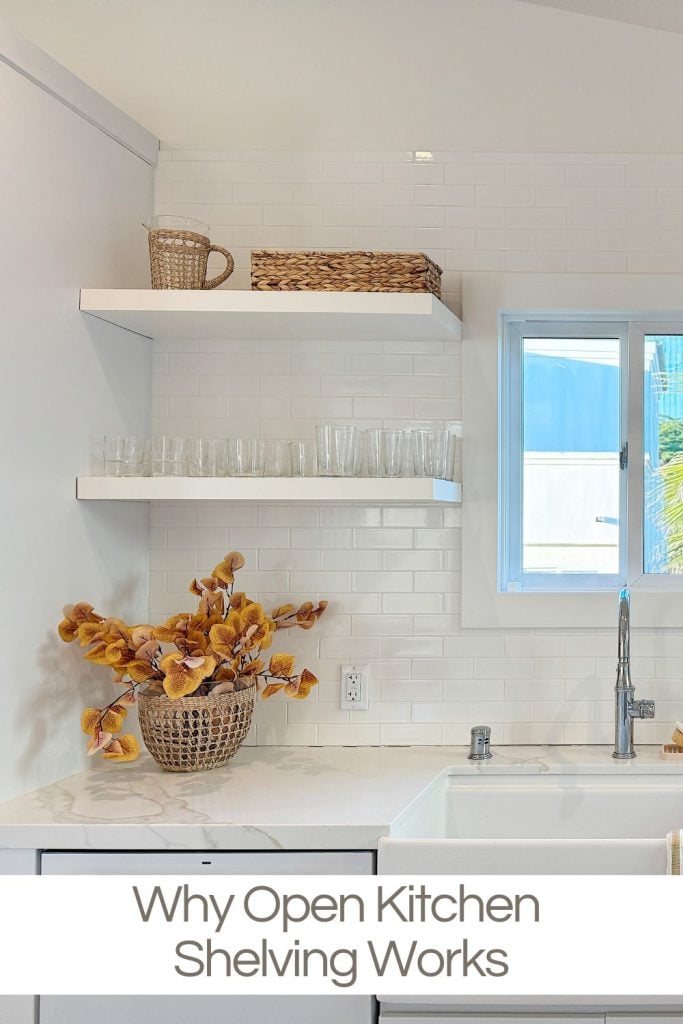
(269, 798)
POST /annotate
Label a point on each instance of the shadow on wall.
(68, 682)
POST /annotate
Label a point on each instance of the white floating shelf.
(247, 315)
(315, 490)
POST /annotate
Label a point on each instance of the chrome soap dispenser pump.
(480, 743)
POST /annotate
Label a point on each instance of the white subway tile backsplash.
(632, 197)
(534, 174)
(475, 174)
(595, 174)
(420, 604)
(424, 173)
(410, 559)
(506, 195)
(443, 711)
(381, 582)
(392, 574)
(410, 735)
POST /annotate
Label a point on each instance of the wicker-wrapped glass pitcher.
(179, 250)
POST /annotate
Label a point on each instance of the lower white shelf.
(405, 491)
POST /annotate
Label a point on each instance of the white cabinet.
(18, 1009)
(207, 1009)
(497, 1018)
(645, 1018)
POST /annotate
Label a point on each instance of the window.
(590, 456)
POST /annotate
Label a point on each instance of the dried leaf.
(182, 679)
(282, 665)
(271, 689)
(90, 718)
(98, 742)
(282, 610)
(125, 748)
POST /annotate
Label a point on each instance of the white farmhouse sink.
(493, 822)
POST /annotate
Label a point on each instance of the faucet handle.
(644, 709)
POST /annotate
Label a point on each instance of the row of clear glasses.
(379, 452)
(339, 450)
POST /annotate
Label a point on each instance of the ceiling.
(465, 76)
(661, 14)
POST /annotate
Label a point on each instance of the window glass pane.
(571, 442)
(663, 454)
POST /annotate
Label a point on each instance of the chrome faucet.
(626, 709)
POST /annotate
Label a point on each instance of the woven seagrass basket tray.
(193, 734)
(284, 271)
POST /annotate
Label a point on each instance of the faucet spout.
(626, 708)
(624, 640)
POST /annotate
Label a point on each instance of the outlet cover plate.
(354, 687)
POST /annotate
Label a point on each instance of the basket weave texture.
(284, 271)
(178, 259)
(193, 734)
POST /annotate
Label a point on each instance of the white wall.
(393, 575)
(457, 75)
(72, 200)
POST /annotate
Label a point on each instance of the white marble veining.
(269, 798)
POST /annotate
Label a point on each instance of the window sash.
(637, 577)
(511, 577)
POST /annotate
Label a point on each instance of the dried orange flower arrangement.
(217, 650)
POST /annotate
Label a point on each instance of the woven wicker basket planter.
(284, 271)
(193, 734)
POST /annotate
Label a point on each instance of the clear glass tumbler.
(433, 453)
(339, 450)
(123, 455)
(134, 456)
(385, 451)
(276, 458)
(246, 457)
(207, 456)
(303, 458)
(96, 454)
(169, 456)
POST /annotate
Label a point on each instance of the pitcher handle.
(230, 266)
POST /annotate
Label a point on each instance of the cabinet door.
(497, 1018)
(645, 1018)
(208, 1009)
(18, 1009)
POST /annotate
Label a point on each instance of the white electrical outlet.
(354, 687)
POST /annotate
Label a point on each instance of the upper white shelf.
(246, 315)
(394, 491)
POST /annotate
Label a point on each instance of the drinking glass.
(303, 458)
(433, 453)
(96, 461)
(276, 458)
(134, 456)
(169, 456)
(339, 450)
(123, 455)
(246, 457)
(385, 449)
(207, 456)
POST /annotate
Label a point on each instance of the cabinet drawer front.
(18, 862)
(207, 863)
(206, 1009)
(497, 1018)
(645, 1018)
